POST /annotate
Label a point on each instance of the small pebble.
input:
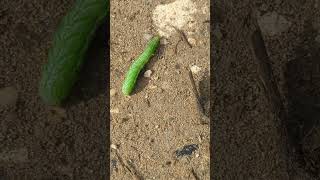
(197, 155)
(113, 146)
(153, 87)
(113, 92)
(195, 69)
(192, 41)
(115, 110)
(147, 74)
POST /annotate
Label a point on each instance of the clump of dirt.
(174, 15)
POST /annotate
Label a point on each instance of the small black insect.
(187, 150)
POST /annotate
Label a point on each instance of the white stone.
(195, 69)
(153, 87)
(113, 146)
(147, 74)
(177, 14)
(115, 111)
(113, 92)
(192, 41)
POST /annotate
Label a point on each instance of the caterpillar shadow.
(303, 90)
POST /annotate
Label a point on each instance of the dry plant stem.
(176, 47)
(204, 119)
(132, 172)
(136, 173)
(195, 174)
(182, 35)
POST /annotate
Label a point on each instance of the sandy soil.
(37, 141)
(265, 121)
(161, 116)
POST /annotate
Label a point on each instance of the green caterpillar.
(70, 44)
(136, 67)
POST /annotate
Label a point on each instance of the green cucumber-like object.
(70, 43)
(138, 64)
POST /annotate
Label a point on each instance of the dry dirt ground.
(265, 115)
(264, 121)
(161, 117)
(37, 141)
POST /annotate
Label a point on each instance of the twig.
(135, 171)
(176, 47)
(204, 118)
(206, 21)
(194, 174)
(132, 172)
(182, 35)
(122, 163)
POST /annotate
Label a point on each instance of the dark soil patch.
(41, 142)
(265, 113)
